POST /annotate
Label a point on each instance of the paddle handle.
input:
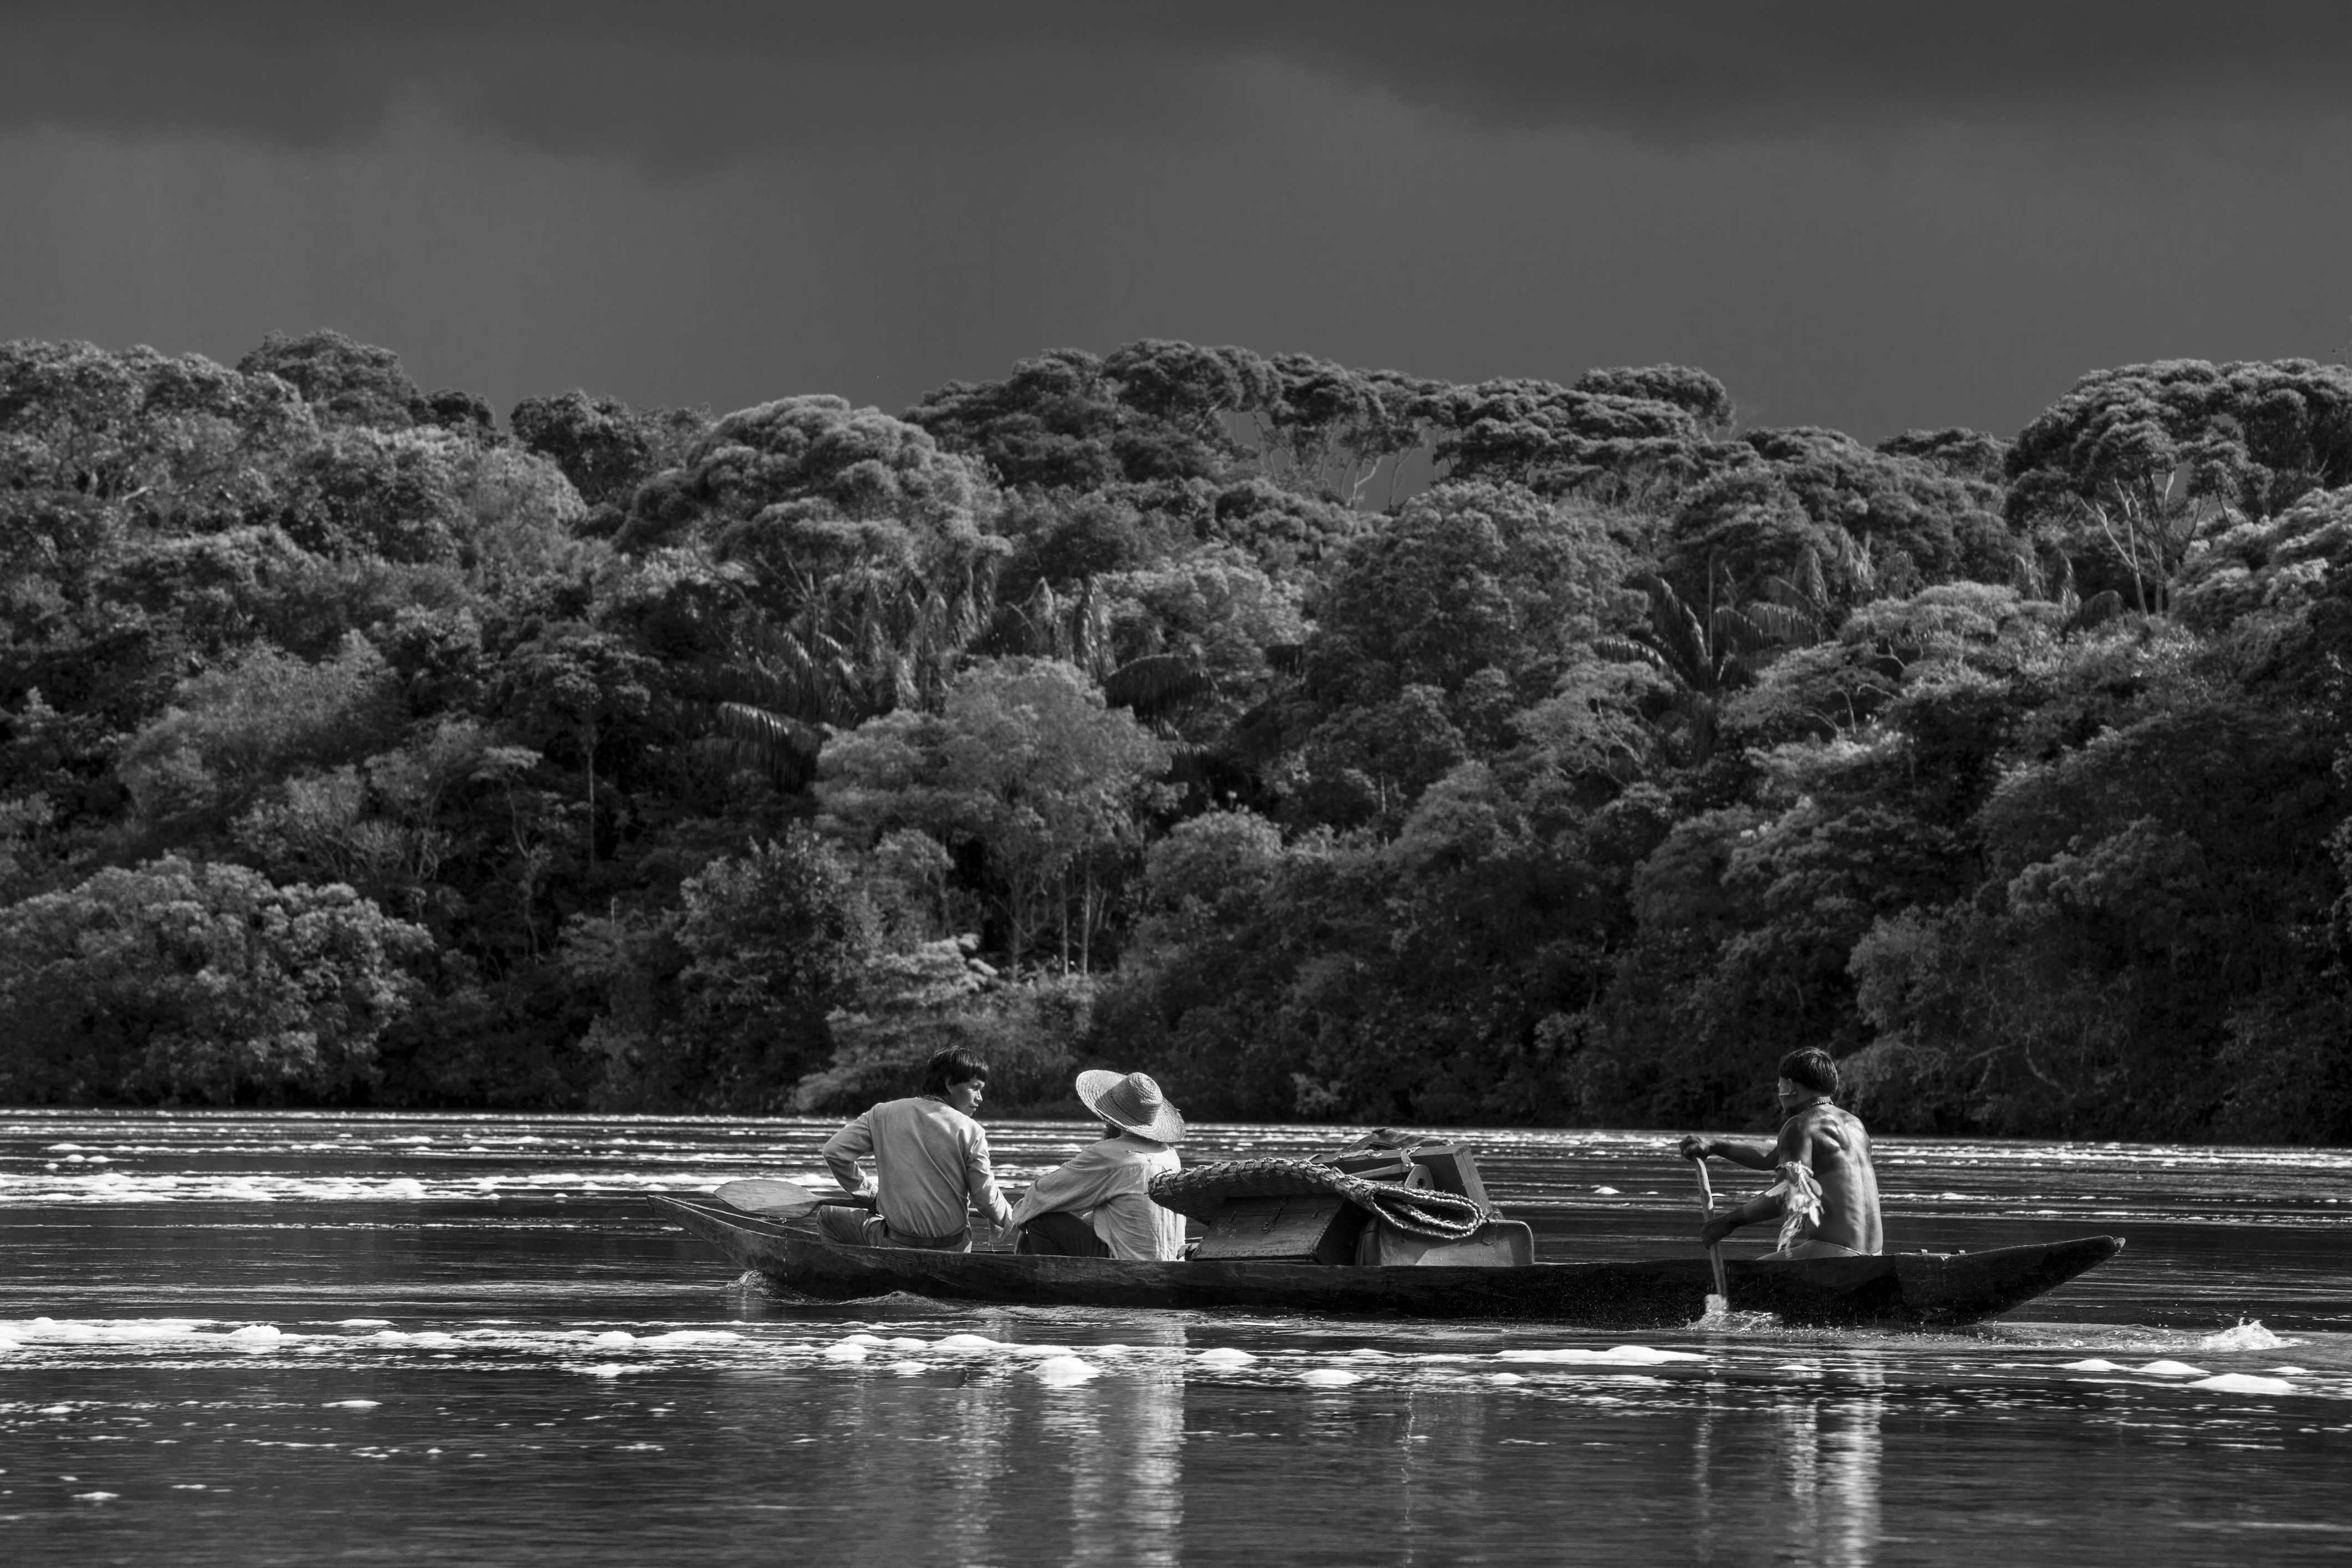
(1707, 1208)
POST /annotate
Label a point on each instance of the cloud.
(697, 84)
(1719, 69)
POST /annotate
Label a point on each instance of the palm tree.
(1708, 652)
(776, 689)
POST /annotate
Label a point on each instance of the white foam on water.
(2170, 1369)
(79, 1178)
(2249, 1335)
(352, 1403)
(185, 1337)
(1064, 1369)
(688, 1339)
(96, 1497)
(1506, 1378)
(1366, 1353)
(2288, 1370)
(1327, 1378)
(610, 1368)
(2094, 1364)
(102, 1330)
(1598, 1191)
(1223, 1356)
(2244, 1383)
(907, 1368)
(363, 1323)
(1616, 1355)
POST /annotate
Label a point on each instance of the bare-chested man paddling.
(1829, 1148)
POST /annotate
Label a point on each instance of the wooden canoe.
(1894, 1290)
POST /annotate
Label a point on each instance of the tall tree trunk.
(1086, 925)
(588, 745)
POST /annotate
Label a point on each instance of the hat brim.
(1166, 1127)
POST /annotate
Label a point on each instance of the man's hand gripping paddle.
(1720, 1302)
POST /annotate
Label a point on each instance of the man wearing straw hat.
(1099, 1205)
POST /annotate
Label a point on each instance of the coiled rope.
(1198, 1192)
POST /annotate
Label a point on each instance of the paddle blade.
(774, 1199)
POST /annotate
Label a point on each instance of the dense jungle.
(1330, 743)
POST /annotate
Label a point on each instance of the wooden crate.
(1373, 1165)
(1451, 1169)
(1320, 1229)
(1498, 1244)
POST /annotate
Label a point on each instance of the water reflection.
(1796, 1481)
(991, 1464)
(1830, 1450)
(979, 1427)
(1126, 1459)
(1441, 1460)
(509, 1418)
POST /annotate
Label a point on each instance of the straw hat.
(1131, 1101)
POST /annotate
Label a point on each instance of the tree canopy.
(1326, 741)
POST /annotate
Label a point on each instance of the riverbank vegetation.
(1330, 743)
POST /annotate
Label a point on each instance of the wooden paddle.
(771, 1199)
(1720, 1302)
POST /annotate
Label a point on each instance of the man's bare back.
(1830, 1143)
(1836, 1146)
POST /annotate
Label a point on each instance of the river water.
(295, 1338)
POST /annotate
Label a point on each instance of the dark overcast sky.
(1872, 216)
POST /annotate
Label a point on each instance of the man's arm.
(1755, 1156)
(843, 1151)
(1762, 1206)
(980, 1181)
(1794, 1147)
(1076, 1186)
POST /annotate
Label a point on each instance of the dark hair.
(1811, 1069)
(953, 1064)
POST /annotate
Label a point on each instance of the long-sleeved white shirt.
(929, 1159)
(1107, 1185)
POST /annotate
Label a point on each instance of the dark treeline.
(1330, 743)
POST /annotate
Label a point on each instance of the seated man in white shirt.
(930, 1158)
(1098, 1205)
